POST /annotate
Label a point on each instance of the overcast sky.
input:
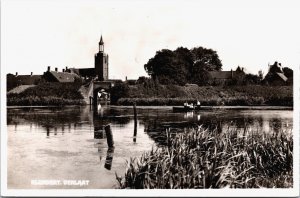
(252, 33)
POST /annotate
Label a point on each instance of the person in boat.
(190, 105)
(198, 104)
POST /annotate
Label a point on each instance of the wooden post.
(109, 136)
(48, 131)
(109, 158)
(91, 100)
(135, 122)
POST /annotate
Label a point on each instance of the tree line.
(184, 65)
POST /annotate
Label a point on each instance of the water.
(69, 143)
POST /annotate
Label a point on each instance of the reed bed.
(201, 158)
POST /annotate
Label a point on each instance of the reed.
(202, 158)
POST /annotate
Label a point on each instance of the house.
(275, 76)
(63, 77)
(225, 77)
(17, 80)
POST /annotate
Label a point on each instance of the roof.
(64, 76)
(282, 76)
(101, 41)
(225, 74)
(88, 72)
(221, 74)
(26, 79)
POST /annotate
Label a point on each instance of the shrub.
(156, 94)
(48, 94)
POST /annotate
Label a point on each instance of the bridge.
(97, 90)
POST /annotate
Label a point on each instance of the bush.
(48, 94)
(156, 94)
(118, 91)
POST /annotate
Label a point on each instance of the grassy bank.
(156, 94)
(201, 158)
(209, 95)
(47, 94)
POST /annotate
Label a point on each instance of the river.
(69, 143)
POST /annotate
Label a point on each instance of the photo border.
(225, 192)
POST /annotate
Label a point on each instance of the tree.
(206, 59)
(118, 91)
(183, 66)
(260, 75)
(251, 79)
(288, 72)
(170, 67)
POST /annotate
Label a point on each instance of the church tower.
(101, 62)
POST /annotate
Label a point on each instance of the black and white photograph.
(150, 98)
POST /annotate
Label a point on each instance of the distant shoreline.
(262, 107)
(59, 94)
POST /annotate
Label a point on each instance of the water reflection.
(269, 121)
(135, 123)
(109, 158)
(154, 121)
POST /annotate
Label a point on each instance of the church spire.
(101, 45)
(101, 41)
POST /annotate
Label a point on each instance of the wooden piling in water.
(48, 131)
(135, 122)
(109, 136)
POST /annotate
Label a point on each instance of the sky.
(249, 33)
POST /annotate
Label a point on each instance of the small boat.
(186, 108)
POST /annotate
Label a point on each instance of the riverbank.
(60, 94)
(173, 95)
(171, 107)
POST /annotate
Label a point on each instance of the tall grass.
(202, 158)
